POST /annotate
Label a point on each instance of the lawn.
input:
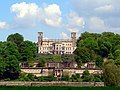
(57, 88)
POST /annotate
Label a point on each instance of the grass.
(57, 88)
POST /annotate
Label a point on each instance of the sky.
(58, 18)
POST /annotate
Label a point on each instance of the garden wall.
(21, 83)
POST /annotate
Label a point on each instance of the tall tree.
(9, 56)
(111, 74)
(28, 51)
(12, 69)
(16, 38)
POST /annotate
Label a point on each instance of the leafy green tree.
(57, 58)
(86, 77)
(16, 38)
(75, 78)
(12, 69)
(9, 57)
(84, 54)
(10, 49)
(97, 78)
(99, 61)
(65, 78)
(66, 57)
(91, 45)
(41, 63)
(28, 51)
(116, 54)
(2, 67)
(111, 74)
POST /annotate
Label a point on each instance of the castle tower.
(40, 40)
(73, 37)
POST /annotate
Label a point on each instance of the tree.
(97, 78)
(111, 74)
(66, 57)
(16, 38)
(28, 51)
(10, 49)
(86, 76)
(9, 57)
(65, 78)
(41, 63)
(75, 78)
(84, 54)
(2, 67)
(57, 58)
(12, 69)
(99, 61)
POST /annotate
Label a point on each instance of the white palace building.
(56, 46)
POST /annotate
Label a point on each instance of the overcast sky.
(58, 18)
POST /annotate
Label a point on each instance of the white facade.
(56, 46)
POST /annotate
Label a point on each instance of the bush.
(27, 77)
(47, 78)
(75, 78)
(65, 78)
(97, 78)
(86, 77)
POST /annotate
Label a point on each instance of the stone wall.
(37, 72)
(45, 71)
(21, 83)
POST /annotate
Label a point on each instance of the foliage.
(27, 77)
(66, 57)
(9, 64)
(99, 61)
(28, 51)
(47, 78)
(65, 78)
(96, 47)
(15, 38)
(98, 78)
(111, 73)
(86, 77)
(75, 78)
(42, 58)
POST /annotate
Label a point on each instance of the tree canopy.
(9, 64)
(93, 46)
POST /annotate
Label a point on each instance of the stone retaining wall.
(21, 83)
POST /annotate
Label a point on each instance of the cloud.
(53, 15)
(23, 10)
(99, 15)
(73, 29)
(30, 14)
(89, 5)
(106, 8)
(3, 25)
(45, 38)
(97, 7)
(96, 24)
(75, 22)
(64, 35)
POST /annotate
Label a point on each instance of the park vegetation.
(103, 49)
